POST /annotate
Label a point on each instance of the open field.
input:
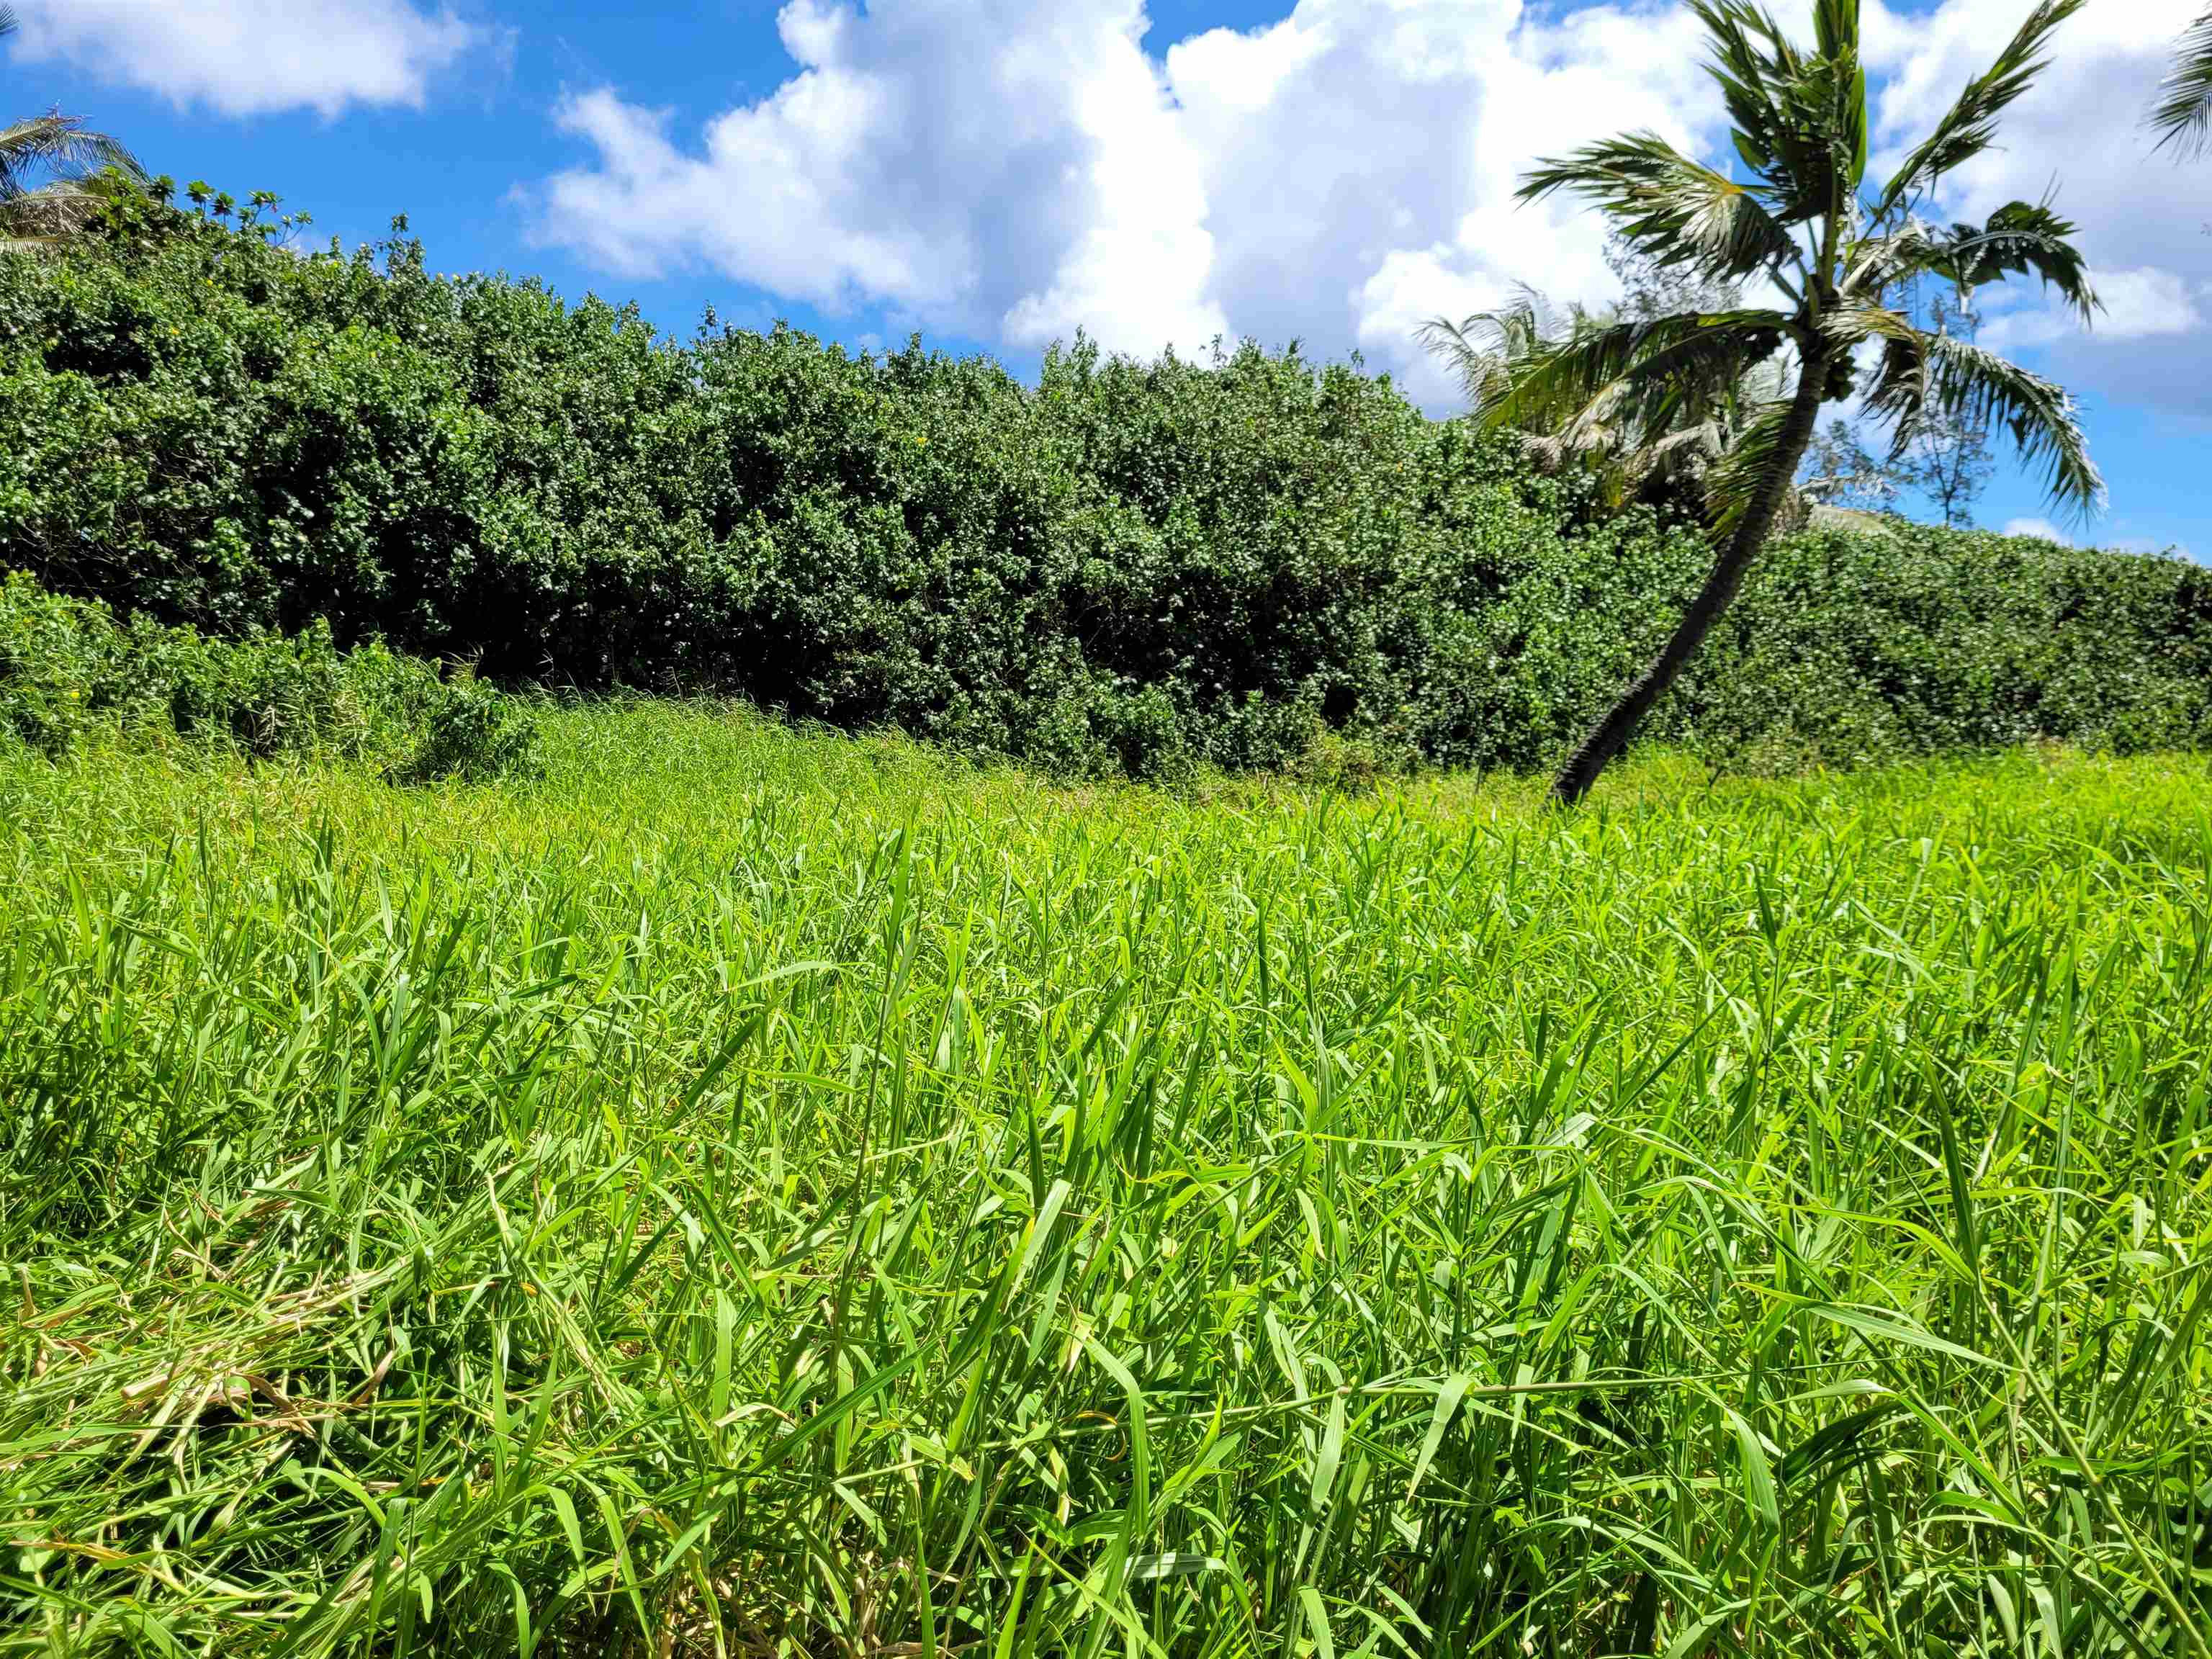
(752, 1192)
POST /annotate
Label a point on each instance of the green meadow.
(741, 1191)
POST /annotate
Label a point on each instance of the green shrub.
(471, 731)
(69, 670)
(1140, 567)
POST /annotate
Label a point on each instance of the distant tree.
(1946, 453)
(56, 172)
(1943, 459)
(1839, 470)
(1650, 287)
(2183, 115)
(1847, 259)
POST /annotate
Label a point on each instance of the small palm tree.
(2183, 115)
(1844, 259)
(54, 171)
(1631, 451)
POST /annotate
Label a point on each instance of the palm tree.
(2183, 115)
(54, 173)
(1631, 452)
(1842, 258)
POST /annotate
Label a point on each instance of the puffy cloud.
(2140, 304)
(1014, 170)
(1008, 170)
(253, 57)
(1361, 156)
(2041, 529)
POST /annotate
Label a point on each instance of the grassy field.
(752, 1192)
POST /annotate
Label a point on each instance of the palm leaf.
(1979, 386)
(1483, 348)
(1800, 123)
(1853, 325)
(1734, 482)
(1664, 203)
(1751, 57)
(1687, 375)
(60, 143)
(56, 211)
(2183, 115)
(1874, 265)
(1971, 124)
(1637, 363)
(2026, 238)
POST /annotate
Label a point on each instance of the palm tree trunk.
(1611, 735)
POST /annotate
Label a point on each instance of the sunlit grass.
(747, 1192)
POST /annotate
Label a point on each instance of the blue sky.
(996, 172)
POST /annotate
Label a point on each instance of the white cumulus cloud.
(1009, 170)
(1016, 170)
(253, 57)
(2041, 529)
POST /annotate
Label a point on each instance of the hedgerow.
(1144, 567)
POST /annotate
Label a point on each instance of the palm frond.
(1853, 325)
(1979, 386)
(2019, 239)
(8, 23)
(1800, 123)
(60, 146)
(65, 144)
(1750, 57)
(1610, 371)
(1692, 375)
(1736, 480)
(1824, 142)
(1874, 265)
(1482, 349)
(2026, 238)
(1664, 203)
(57, 211)
(1836, 27)
(1970, 126)
(2183, 115)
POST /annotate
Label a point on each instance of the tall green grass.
(748, 1193)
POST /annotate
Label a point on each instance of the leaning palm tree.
(55, 172)
(1842, 258)
(2183, 115)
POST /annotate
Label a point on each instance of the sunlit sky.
(996, 175)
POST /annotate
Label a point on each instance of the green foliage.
(748, 1192)
(69, 672)
(1852, 644)
(1147, 567)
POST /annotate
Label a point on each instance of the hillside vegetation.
(749, 1193)
(1145, 567)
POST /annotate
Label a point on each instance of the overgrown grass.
(755, 1193)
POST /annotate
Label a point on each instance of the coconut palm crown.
(54, 171)
(1800, 217)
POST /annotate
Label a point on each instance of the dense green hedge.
(1135, 565)
(69, 671)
